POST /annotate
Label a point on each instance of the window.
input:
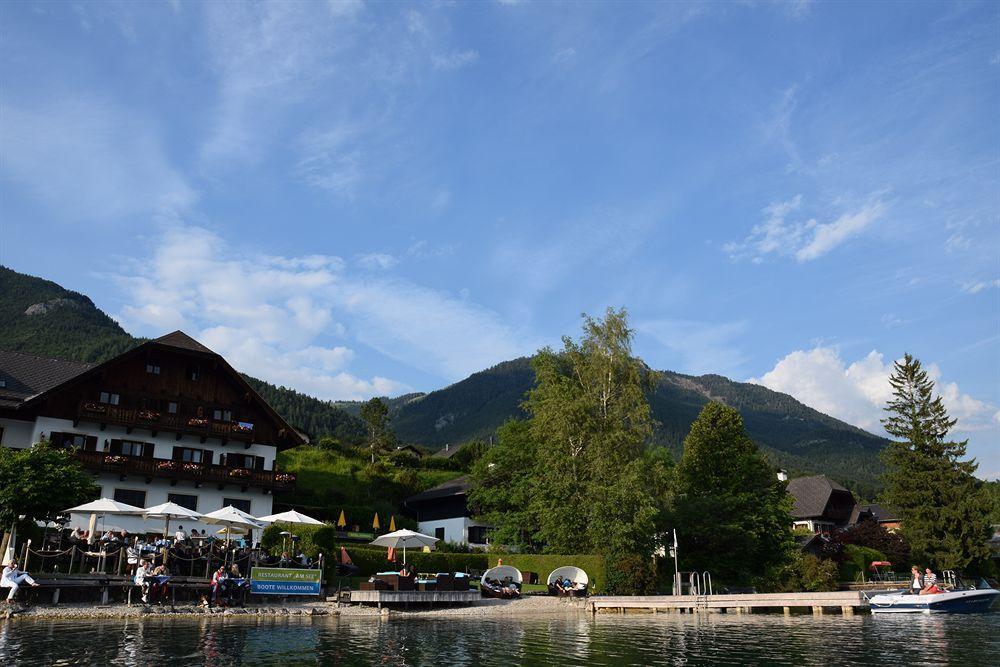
(239, 503)
(3, 382)
(109, 399)
(189, 455)
(245, 461)
(131, 497)
(1, 435)
(153, 368)
(172, 407)
(221, 415)
(478, 534)
(132, 448)
(184, 500)
(194, 373)
(439, 533)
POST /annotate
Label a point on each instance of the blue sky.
(353, 198)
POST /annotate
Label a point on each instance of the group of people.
(152, 580)
(567, 586)
(226, 584)
(923, 584)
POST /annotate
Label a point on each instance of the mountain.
(43, 318)
(794, 435)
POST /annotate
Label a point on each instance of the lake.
(765, 639)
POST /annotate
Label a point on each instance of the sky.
(357, 199)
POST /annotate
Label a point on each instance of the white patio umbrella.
(291, 516)
(404, 538)
(103, 506)
(232, 517)
(168, 511)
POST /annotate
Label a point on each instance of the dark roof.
(877, 512)
(456, 487)
(447, 451)
(181, 340)
(811, 495)
(26, 375)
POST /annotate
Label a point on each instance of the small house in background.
(444, 513)
(820, 504)
(410, 449)
(446, 452)
(872, 512)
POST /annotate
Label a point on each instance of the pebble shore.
(530, 605)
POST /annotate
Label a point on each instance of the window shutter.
(178, 453)
(259, 462)
(116, 446)
(55, 438)
(147, 450)
(207, 457)
(90, 444)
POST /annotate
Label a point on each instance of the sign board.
(284, 581)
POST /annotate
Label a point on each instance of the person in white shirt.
(180, 535)
(12, 578)
(140, 579)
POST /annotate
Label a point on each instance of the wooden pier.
(847, 602)
(380, 598)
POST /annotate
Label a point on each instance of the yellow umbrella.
(342, 521)
(375, 524)
(392, 524)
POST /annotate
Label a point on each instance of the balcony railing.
(151, 419)
(208, 473)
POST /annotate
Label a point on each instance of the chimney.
(783, 475)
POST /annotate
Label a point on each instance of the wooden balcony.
(271, 481)
(156, 421)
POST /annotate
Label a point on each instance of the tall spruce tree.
(928, 480)
(730, 509)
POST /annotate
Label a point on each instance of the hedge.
(857, 559)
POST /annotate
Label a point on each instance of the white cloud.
(977, 286)
(90, 159)
(289, 319)
(377, 261)
(857, 392)
(806, 240)
(454, 60)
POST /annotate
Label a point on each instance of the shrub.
(631, 574)
(856, 559)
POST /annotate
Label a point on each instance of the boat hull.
(955, 602)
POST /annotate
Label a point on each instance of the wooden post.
(72, 555)
(104, 595)
(121, 555)
(55, 596)
(787, 611)
(847, 610)
(24, 555)
(817, 611)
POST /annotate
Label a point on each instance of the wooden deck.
(845, 601)
(415, 597)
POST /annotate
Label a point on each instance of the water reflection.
(706, 639)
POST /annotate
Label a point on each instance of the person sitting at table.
(304, 560)
(140, 578)
(180, 535)
(219, 585)
(408, 570)
(12, 578)
(285, 559)
(158, 586)
(76, 535)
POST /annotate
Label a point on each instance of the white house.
(168, 420)
(444, 513)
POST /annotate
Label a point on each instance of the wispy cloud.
(805, 240)
(454, 60)
(977, 286)
(90, 159)
(700, 347)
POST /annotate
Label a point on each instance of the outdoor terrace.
(155, 421)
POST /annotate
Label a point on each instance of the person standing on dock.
(12, 578)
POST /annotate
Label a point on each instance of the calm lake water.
(608, 640)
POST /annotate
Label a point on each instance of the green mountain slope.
(42, 318)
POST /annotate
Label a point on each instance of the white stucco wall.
(456, 530)
(16, 433)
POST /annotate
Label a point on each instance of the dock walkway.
(380, 598)
(846, 601)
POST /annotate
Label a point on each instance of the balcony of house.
(155, 421)
(271, 481)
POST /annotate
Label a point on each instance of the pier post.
(817, 611)
(787, 611)
(847, 610)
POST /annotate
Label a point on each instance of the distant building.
(410, 449)
(444, 513)
(169, 420)
(820, 504)
(872, 512)
(446, 452)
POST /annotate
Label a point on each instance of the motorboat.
(957, 600)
